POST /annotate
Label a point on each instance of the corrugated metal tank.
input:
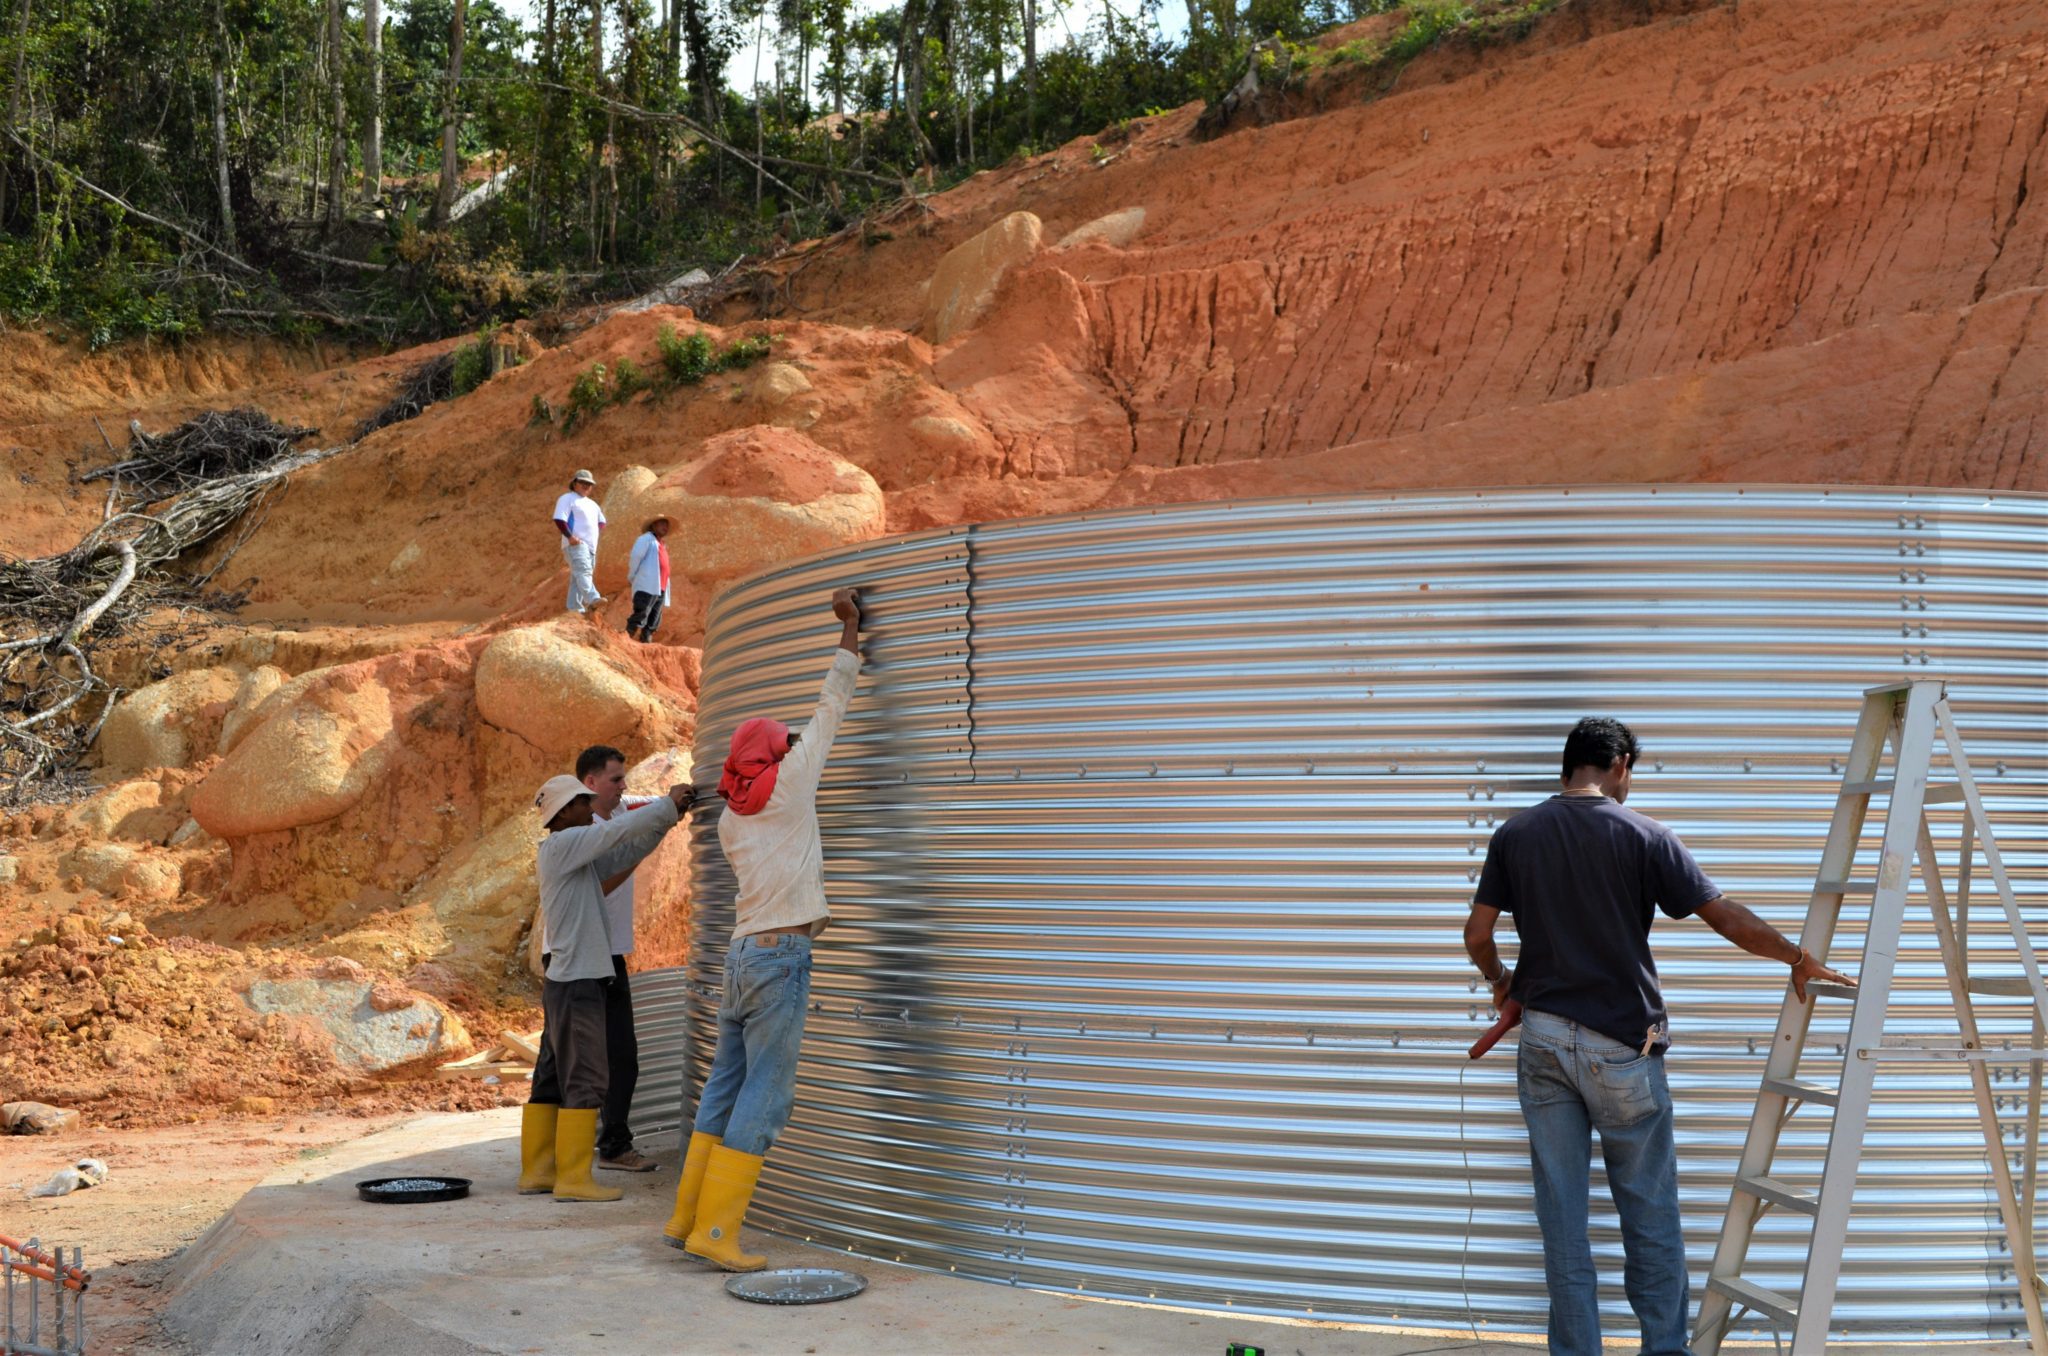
(1150, 835)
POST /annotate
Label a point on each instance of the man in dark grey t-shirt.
(1583, 877)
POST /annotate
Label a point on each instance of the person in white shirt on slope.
(580, 521)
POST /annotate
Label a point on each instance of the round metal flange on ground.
(797, 1285)
(412, 1190)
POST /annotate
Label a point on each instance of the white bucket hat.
(556, 792)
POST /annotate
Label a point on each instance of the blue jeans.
(1574, 1081)
(747, 1098)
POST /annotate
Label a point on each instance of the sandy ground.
(164, 1187)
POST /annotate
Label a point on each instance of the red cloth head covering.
(758, 748)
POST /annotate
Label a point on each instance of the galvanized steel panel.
(1151, 833)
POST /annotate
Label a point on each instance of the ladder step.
(1822, 989)
(2001, 986)
(1844, 887)
(1756, 1298)
(1937, 793)
(1780, 1193)
(1804, 1092)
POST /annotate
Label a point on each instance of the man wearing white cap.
(580, 521)
(558, 1133)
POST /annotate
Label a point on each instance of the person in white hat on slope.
(580, 521)
(558, 1132)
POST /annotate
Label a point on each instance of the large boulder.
(256, 688)
(757, 496)
(304, 764)
(484, 897)
(170, 723)
(117, 870)
(558, 694)
(373, 1026)
(1117, 229)
(965, 281)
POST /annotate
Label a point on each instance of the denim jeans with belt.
(752, 1086)
(1574, 1081)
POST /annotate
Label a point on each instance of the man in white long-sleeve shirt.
(769, 833)
(558, 1133)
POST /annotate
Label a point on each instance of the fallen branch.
(363, 264)
(74, 176)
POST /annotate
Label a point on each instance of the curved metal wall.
(1150, 835)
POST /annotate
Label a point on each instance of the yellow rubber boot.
(537, 1149)
(575, 1142)
(695, 1160)
(729, 1180)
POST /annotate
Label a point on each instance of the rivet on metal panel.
(1471, 793)
(1472, 819)
(1923, 602)
(1311, 767)
(1393, 767)
(1480, 765)
(1920, 576)
(1154, 772)
(1489, 793)
(1311, 1035)
(1835, 766)
(1471, 847)
(1471, 873)
(1230, 768)
(1748, 766)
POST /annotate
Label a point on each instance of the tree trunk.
(598, 144)
(1031, 69)
(14, 106)
(373, 133)
(337, 113)
(451, 115)
(704, 75)
(219, 47)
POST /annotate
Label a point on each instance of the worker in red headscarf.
(769, 833)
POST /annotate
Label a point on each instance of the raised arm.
(1759, 938)
(806, 762)
(600, 842)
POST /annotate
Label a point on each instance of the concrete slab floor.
(300, 1265)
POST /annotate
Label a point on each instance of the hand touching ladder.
(1908, 715)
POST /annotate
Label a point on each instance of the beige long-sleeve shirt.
(572, 865)
(775, 853)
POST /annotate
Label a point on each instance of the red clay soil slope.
(1785, 240)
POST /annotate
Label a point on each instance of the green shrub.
(588, 395)
(628, 381)
(743, 353)
(543, 410)
(684, 361)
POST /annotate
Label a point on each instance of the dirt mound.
(1645, 240)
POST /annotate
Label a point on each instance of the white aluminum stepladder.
(1908, 716)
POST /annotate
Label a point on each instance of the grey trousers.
(573, 1070)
